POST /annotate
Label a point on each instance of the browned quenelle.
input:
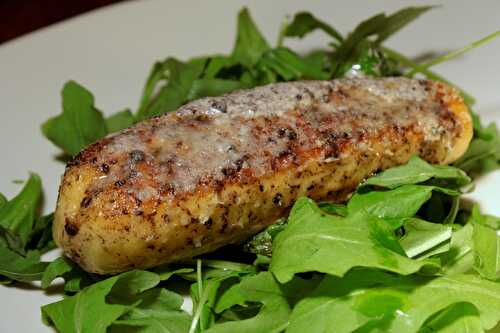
(221, 169)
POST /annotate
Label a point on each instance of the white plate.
(111, 50)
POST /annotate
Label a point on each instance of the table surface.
(21, 17)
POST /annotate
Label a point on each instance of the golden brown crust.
(149, 195)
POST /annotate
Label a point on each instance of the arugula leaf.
(18, 214)
(398, 20)
(416, 171)
(91, 310)
(314, 241)
(41, 235)
(212, 87)
(179, 77)
(250, 44)
(483, 154)
(364, 298)
(80, 122)
(74, 277)
(380, 25)
(367, 59)
(342, 305)
(440, 293)
(348, 48)
(460, 258)
(11, 241)
(3, 200)
(304, 23)
(210, 283)
(166, 271)
(218, 63)
(132, 283)
(486, 242)
(158, 73)
(457, 318)
(396, 204)
(422, 236)
(333, 208)
(159, 310)
(55, 269)
(231, 297)
(290, 66)
(205, 294)
(20, 268)
(277, 300)
(24, 235)
(119, 121)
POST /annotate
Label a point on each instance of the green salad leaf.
(442, 292)
(212, 87)
(3, 200)
(457, 318)
(98, 306)
(381, 26)
(483, 154)
(87, 311)
(18, 215)
(486, 240)
(24, 235)
(290, 66)
(55, 269)
(460, 257)
(304, 23)
(159, 310)
(80, 123)
(368, 301)
(353, 241)
(421, 237)
(173, 84)
(334, 208)
(250, 43)
(74, 277)
(21, 268)
(119, 120)
(399, 20)
(401, 202)
(41, 235)
(343, 305)
(416, 171)
(276, 299)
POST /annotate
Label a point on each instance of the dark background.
(18, 17)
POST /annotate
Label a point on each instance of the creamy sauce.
(211, 139)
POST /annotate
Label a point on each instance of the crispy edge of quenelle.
(189, 224)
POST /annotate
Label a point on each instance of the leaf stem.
(199, 278)
(221, 264)
(468, 99)
(455, 53)
(199, 306)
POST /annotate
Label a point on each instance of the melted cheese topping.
(249, 133)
